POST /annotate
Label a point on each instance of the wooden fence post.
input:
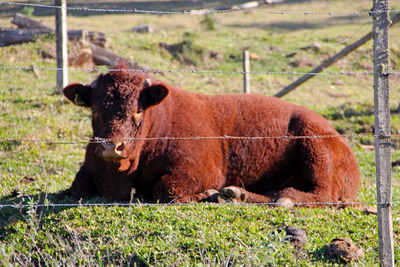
(326, 63)
(382, 131)
(61, 44)
(246, 70)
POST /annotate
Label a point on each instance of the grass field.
(195, 234)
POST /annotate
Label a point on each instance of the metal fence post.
(61, 44)
(382, 131)
(246, 70)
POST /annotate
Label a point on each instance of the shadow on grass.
(347, 111)
(15, 207)
(288, 26)
(32, 211)
(360, 119)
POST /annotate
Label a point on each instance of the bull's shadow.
(31, 209)
(16, 207)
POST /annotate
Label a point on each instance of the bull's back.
(193, 114)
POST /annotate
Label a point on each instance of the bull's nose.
(112, 151)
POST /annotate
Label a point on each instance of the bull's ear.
(153, 95)
(78, 94)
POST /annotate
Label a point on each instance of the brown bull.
(152, 138)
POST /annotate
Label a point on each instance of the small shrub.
(209, 22)
(190, 36)
(28, 11)
(189, 53)
(186, 52)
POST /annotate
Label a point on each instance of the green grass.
(193, 234)
(187, 234)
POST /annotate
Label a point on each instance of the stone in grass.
(370, 210)
(27, 180)
(314, 46)
(143, 29)
(343, 249)
(295, 235)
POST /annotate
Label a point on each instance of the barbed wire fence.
(382, 135)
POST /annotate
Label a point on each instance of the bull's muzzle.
(112, 151)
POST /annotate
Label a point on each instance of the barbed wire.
(200, 11)
(196, 138)
(122, 204)
(192, 138)
(203, 71)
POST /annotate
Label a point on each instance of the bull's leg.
(197, 197)
(178, 196)
(327, 169)
(284, 198)
(167, 190)
(291, 196)
(188, 183)
(230, 194)
(236, 194)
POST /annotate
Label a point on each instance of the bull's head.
(119, 102)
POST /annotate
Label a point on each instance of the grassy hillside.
(33, 172)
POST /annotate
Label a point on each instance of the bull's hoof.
(212, 195)
(284, 202)
(231, 194)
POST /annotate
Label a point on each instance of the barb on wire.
(203, 71)
(126, 204)
(192, 138)
(197, 12)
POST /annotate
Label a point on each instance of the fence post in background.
(246, 70)
(61, 44)
(382, 131)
